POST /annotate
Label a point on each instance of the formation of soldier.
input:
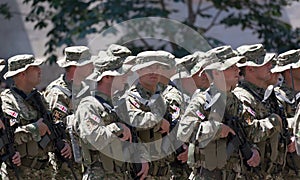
(220, 114)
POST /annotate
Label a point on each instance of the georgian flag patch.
(11, 113)
(251, 111)
(95, 118)
(200, 115)
(136, 104)
(62, 108)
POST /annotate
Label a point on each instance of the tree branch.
(191, 15)
(213, 22)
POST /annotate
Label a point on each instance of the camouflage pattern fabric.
(27, 134)
(146, 110)
(97, 129)
(263, 125)
(203, 125)
(59, 97)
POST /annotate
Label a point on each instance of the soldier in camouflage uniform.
(100, 129)
(288, 94)
(204, 124)
(16, 159)
(58, 95)
(19, 104)
(189, 68)
(147, 108)
(262, 113)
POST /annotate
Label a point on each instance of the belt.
(35, 163)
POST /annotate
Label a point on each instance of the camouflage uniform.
(146, 111)
(289, 98)
(177, 99)
(202, 122)
(261, 114)
(59, 96)
(98, 127)
(20, 111)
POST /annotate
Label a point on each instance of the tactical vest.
(213, 154)
(32, 155)
(91, 156)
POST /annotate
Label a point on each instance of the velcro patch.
(11, 113)
(62, 108)
(200, 115)
(95, 118)
(251, 111)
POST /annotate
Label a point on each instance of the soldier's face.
(33, 75)
(296, 73)
(201, 81)
(264, 72)
(231, 76)
(150, 75)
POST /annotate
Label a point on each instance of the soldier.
(205, 123)
(287, 93)
(147, 108)
(58, 95)
(16, 158)
(262, 110)
(23, 105)
(100, 129)
(190, 66)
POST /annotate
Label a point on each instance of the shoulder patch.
(11, 113)
(95, 118)
(251, 111)
(62, 108)
(200, 115)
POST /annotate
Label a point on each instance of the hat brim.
(143, 65)
(95, 76)
(37, 62)
(268, 57)
(63, 63)
(277, 68)
(180, 75)
(222, 66)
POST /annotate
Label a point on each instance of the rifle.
(239, 140)
(286, 136)
(7, 142)
(57, 129)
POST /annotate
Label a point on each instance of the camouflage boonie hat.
(148, 58)
(2, 64)
(287, 60)
(255, 55)
(75, 56)
(185, 64)
(107, 66)
(20, 63)
(225, 57)
(118, 50)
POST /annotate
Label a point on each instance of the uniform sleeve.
(58, 103)
(145, 119)
(258, 128)
(23, 133)
(193, 122)
(92, 126)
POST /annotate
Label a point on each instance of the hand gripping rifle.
(286, 136)
(57, 129)
(239, 140)
(7, 142)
